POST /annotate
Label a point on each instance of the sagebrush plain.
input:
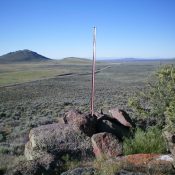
(40, 93)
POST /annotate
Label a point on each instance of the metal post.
(93, 72)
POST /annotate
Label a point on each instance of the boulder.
(81, 171)
(122, 117)
(80, 121)
(57, 139)
(112, 125)
(106, 145)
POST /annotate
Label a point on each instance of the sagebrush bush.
(158, 96)
(170, 117)
(150, 141)
(9, 162)
(105, 167)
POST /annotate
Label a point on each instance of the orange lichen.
(141, 159)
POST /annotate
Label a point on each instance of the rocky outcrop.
(72, 136)
(57, 139)
(106, 145)
(81, 171)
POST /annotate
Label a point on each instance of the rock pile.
(79, 136)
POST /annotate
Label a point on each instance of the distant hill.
(113, 60)
(75, 60)
(22, 56)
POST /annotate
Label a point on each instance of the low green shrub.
(70, 163)
(9, 162)
(157, 97)
(150, 141)
(170, 117)
(1, 137)
(105, 167)
(5, 150)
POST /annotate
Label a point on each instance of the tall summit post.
(93, 72)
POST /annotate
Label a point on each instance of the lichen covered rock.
(149, 163)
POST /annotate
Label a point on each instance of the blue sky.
(63, 28)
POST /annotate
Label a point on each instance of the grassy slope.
(74, 60)
(19, 73)
(26, 72)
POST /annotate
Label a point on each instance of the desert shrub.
(4, 150)
(70, 163)
(157, 97)
(106, 167)
(2, 138)
(170, 117)
(13, 149)
(17, 149)
(9, 162)
(150, 141)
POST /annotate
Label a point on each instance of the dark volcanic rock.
(122, 117)
(81, 171)
(106, 145)
(57, 139)
(111, 125)
(85, 123)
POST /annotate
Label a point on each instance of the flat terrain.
(20, 73)
(39, 93)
